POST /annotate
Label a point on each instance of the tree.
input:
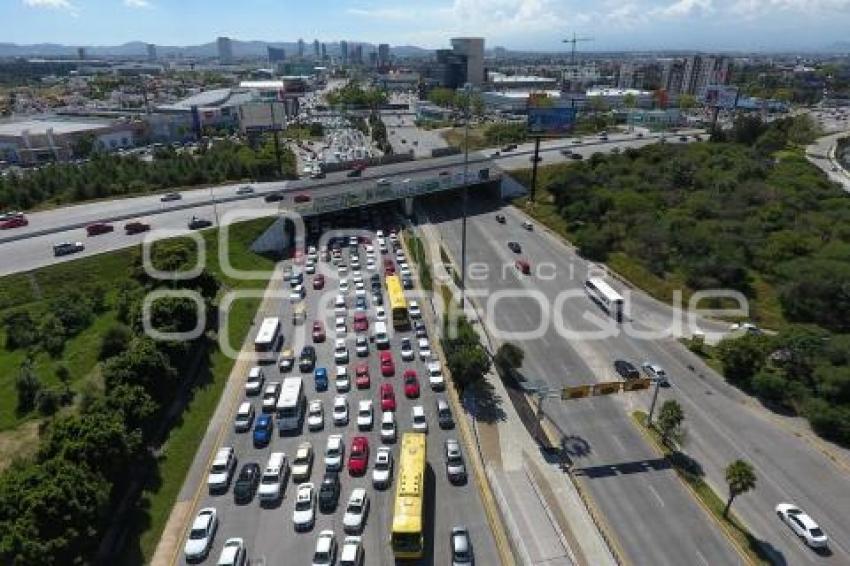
(115, 341)
(468, 364)
(687, 101)
(145, 365)
(741, 478)
(27, 385)
(509, 357)
(742, 357)
(669, 422)
(629, 100)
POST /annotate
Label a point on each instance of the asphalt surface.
(31, 247)
(269, 532)
(723, 424)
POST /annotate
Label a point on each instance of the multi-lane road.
(269, 532)
(646, 506)
(30, 247)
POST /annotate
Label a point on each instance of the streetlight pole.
(652, 404)
(468, 88)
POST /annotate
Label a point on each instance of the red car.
(318, 331)
(136, 228)
(411, 384)
(389, 265)
(15, 221)
(387, 365)
(301, 197)
(523, 266)
(99, 228)
(359, 456)
(319, 282)
(362, 376)
(387, 397)
(361, 323)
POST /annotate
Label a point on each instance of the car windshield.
(816, 532)
(302, 504)
(198, 534)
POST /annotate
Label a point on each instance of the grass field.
(455, 137)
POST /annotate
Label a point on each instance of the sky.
(752, 25)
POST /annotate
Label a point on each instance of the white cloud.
(54, 4)
(137, 3)
(753, 8)
(390, 14)
(684, 8)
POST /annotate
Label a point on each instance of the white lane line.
(702, 558)
(658, 497)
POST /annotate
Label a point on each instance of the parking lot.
(269, 532)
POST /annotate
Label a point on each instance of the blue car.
(320, 375)
(263, 430)
(360, 304)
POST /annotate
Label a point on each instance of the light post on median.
(468, 90)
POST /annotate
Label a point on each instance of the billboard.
(548, 117)
(721, 96)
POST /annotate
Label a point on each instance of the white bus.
(290, 404)
(605, 296)
(268, 336)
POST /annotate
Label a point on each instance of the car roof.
(203, 518)
(365, 404)
(244, 407)
(357, 494)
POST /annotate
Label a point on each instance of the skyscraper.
(324, 52)
(301, 48)
(81, 53)
(151, 52)
(343, 51)
(357, 58)
(316, 49)
(225, 51)
(383, 55)
(473, 49)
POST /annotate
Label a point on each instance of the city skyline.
(721, 25)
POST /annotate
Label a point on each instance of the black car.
(515, 247)
(419, 328)
(407, 282)
(197, 223)
(500, 218)
(354, 173)
(626, 370)
(375, 278)
(329, 492)
(307, 359)
(378, 299)
(246, 483)
(274, 197)
(576, 156)
(444, 414)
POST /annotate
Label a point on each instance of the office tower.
(357, 57)
(151, 52)
(324, 52)
(316, 49)
(473, 49)
(383, 55)
(301, 48)
(276, 55)
(343, 51)
(225, 51)
(81, 53)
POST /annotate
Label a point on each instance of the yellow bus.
(407, 532)
(398, 304)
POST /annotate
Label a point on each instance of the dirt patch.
(22, 441)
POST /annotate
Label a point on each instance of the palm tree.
(741, 478)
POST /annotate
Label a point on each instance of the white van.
(272, 480)
(382, 339)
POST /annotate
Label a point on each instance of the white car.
(407, 353)
(273, 478)
(424, 349)
(435, 376)
(356, 511)
(802, 525)
(340, 307)
(296, 294)
(655, 373)
(418, 420)
(343, 285)
(304, 514)
(388, 428)
(325, 553)
(270, 395)
(370, 264)
(340, 327)
(342, 270)
(302, 464)
(233, 553)
(244, 417)
(221, 471)
(413, 309)
(357, 277)
(254, 383)
(315, 415)
(380, 314)
(404, 270)
(359, 289)
(310, 266)
(334, 453)
(342, 381)
(364, 414)
(340, 351)
(201, 534)
(382, 471)
(361, 345)
(340, 410)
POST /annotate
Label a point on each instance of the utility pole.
(534, 168)
(652, 404)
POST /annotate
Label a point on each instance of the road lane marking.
(658, 497)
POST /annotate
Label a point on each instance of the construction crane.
(573, 41)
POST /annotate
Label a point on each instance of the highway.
(623, 474)
(30, 247)
(269, 532)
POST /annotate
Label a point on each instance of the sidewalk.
(547, 520)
